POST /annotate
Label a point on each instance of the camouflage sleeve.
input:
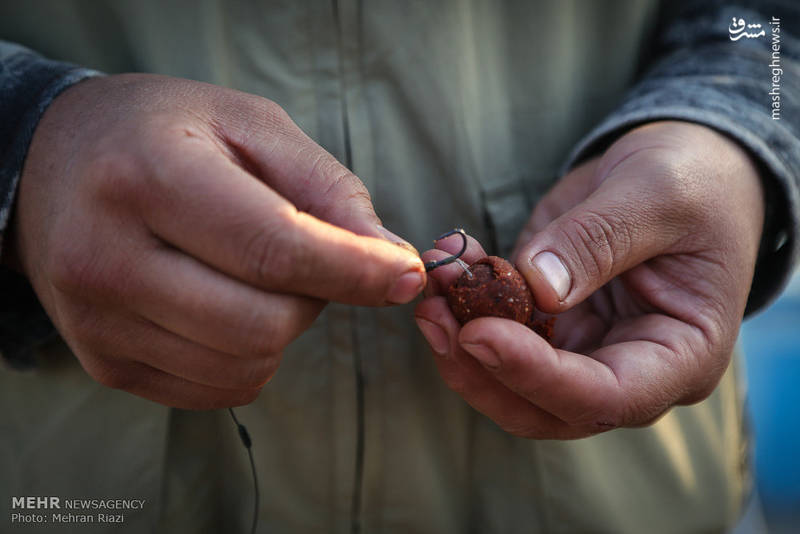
(28, 84)
(704, 70)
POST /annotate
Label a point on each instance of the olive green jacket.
(453, 113)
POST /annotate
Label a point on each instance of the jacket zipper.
(355, 507)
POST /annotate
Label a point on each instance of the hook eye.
(431, 265)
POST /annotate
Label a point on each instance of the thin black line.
(256, 496)
(247, 442)
(355, 510)
(348, 152)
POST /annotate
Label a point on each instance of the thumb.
(619, 226)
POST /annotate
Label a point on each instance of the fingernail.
(406, 288)
(436, 336)
(396, 239)
(554, 271)
(483, 354)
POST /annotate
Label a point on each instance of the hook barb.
(431, 265)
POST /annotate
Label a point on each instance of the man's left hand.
(647, 255)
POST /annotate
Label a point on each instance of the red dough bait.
(494, 288)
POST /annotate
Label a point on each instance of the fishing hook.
(431, 265)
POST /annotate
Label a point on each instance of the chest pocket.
(507, 204)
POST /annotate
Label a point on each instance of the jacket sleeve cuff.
(775, 148)
(29, 84)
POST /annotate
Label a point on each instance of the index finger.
(203, 203)
(441, 277)
(648, 366)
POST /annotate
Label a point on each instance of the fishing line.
(248, 443)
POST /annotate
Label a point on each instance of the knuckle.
(345, 185)
(112, 173)
(458, 385)
(265, 340)
(644, 411)
(599, 241)
(273, 255)
(347, 188)
(703, 360)
(273, 112)
(109, 375)
(710, 377)
(322, 165)
(339, 183)
(91, 270)
(457, 382)
(267, 118)
(266, 336)
(73, 271)
(86, 327)
(260, 371)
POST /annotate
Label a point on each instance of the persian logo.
(737, 30)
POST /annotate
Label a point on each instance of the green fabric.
(456, 113)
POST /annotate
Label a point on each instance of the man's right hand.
(180, 235)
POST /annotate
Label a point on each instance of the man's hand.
(647, 253)
(180, 235)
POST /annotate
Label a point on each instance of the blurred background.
(771, 344)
